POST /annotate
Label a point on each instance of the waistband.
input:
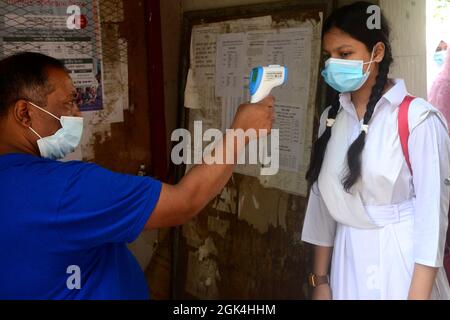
(391, 214)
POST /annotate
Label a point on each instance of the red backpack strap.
(403, 127)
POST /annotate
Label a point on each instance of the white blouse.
(386, 179)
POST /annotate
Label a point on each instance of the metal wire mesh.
(64, 29)
(84, 34)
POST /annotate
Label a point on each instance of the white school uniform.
(392, 219)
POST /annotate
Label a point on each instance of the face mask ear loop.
(35, 132)
(50, 114)
(371, 61)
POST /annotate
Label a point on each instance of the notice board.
(219, 60)
(246, 243)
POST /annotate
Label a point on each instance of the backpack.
(403, 130)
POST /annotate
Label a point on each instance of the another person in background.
(439, 95)
(441, 53)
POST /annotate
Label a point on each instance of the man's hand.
(180, 203)
(256, 116)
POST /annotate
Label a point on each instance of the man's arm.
(180, 203)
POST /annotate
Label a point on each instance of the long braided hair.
(352, 19)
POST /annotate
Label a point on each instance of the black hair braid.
(355, 150)
(320, 146)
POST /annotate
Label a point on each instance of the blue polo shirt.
(64, 229)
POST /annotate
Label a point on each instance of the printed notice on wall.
(238, 53)
(222, 57)
(66, 30)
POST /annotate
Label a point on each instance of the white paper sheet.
(222, 56)
(230, 64)
(301, 87)
(238, 53)
(200, 88)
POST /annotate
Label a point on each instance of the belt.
(391, 214)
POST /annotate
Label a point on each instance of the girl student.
(377, 212)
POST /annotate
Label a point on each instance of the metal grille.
(64, 29)
(84, 34)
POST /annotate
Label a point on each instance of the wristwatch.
(315, 280)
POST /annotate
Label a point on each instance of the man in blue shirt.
(64, 226)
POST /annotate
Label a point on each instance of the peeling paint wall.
(113, 50)
(204, 271)
(230, 257)
(254, 198)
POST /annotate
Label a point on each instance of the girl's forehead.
(335, 40)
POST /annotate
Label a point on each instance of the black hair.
(352, 19)
(25, 76)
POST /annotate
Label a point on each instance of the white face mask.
(64, 141)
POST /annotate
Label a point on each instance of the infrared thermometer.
(264, 79)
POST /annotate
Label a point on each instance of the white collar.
(393, 96)
(397, 93)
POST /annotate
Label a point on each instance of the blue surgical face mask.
(64, 141)
(440, 57)
(346, 75)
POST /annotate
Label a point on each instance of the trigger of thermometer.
(264, 79)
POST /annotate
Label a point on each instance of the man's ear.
(379, 51)
(21, 112)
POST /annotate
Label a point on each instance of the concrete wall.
(408, 23)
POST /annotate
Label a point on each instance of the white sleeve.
(429, 150)
(319, 227)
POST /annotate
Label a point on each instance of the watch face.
(312, 280)
(315, 280)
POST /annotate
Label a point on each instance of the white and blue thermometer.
(264, 79)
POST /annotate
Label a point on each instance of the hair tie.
(330, 122)
(365, 128)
